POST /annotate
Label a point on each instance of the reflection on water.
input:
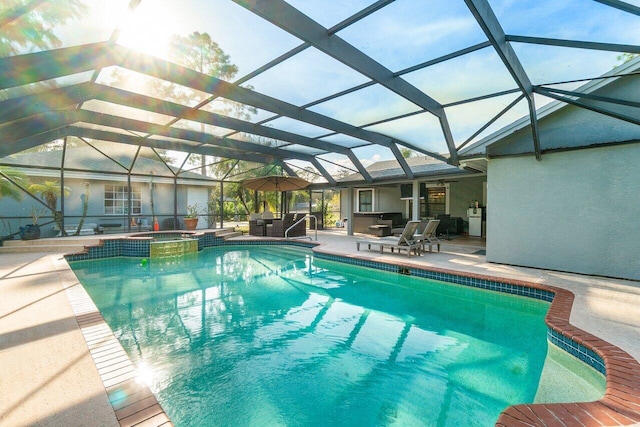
(269, 336)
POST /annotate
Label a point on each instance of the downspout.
(175, 203)
(221, 205)
(129, 201)
(64, 155)
(350, 191)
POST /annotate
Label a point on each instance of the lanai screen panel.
(303, 81)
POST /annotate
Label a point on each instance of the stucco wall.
(461, 194)
(575, 211)
(388, 199)
(14, 214)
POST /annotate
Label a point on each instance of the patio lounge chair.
(426, 234)
(406, 241)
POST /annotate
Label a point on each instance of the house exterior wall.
(462, 193)
(17, 213)
(199, 196)
(163, 201)
(388, 199)
(11, 209)
(572, 211)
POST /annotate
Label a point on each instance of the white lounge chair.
(427, 235)
(406, 241)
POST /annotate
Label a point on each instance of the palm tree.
(49, 192)
(7, 187)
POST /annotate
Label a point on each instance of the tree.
(199, 52)
(34, 28)
(50, 191)
(85, 208)
(241, 171)
(408, 152)
(7, 187)
(625, 57)
(56, 145)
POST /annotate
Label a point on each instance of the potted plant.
(191, 218)
(32, 231)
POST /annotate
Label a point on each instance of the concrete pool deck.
(50, 378)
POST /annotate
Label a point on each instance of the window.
(436, 201)
(365, 200)
(116, 200)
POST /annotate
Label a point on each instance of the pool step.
(228, 233)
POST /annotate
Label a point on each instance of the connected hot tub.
(172, 247)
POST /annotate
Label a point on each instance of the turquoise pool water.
(264, 335)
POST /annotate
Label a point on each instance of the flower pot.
(190, 223)
(30, 232)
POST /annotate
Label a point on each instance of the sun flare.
(147, 31)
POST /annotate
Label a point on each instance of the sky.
(403, 34)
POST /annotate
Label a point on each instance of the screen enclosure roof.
(308, 86)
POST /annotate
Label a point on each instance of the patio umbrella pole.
(277, 183)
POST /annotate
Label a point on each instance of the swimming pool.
(271, 336)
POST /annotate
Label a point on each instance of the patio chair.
(257, 227)
(171, 224)
(426, 234)
(279, 226)
(406, 241)
(300, 229)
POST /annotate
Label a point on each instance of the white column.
(350, 206)
(415, 214)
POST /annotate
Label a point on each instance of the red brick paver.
(620, 405)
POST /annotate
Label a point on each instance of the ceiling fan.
(442, 182)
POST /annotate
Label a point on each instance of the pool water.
(270, 336)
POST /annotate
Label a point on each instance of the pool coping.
(619, 406)
(133, 403)
(621, 402)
